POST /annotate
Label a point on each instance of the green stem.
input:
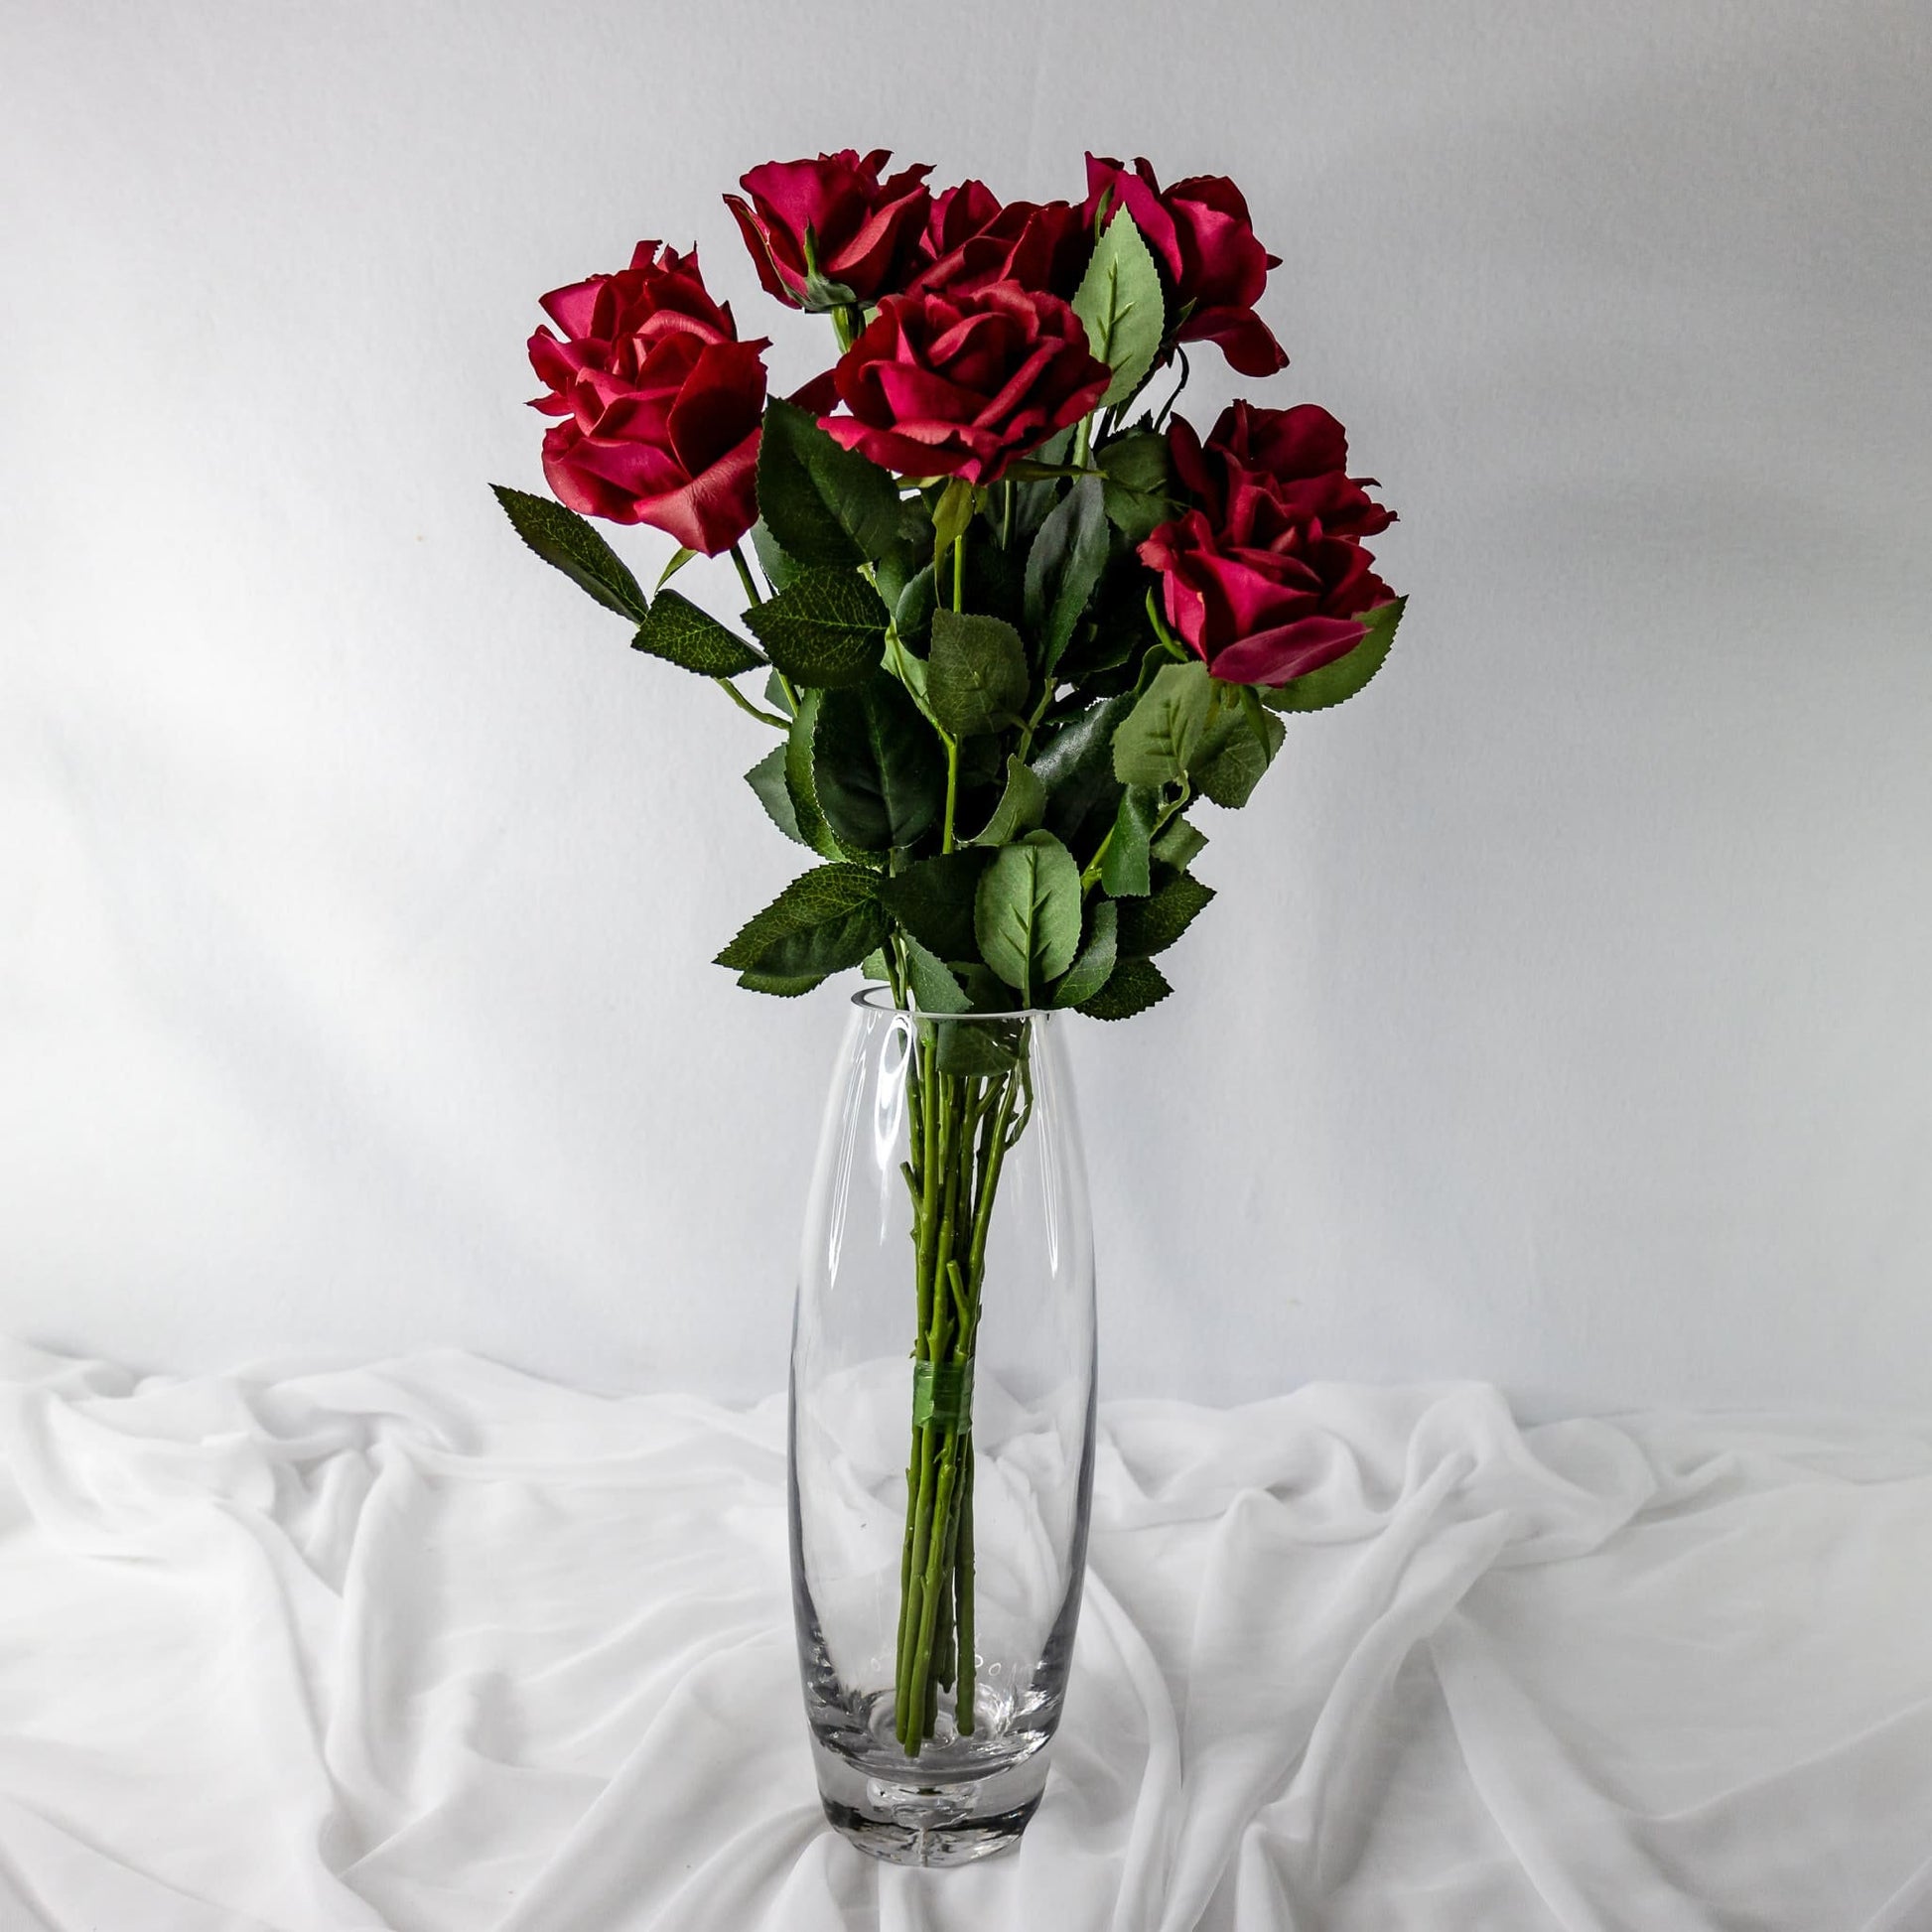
(744, 703)
(745, 576)
(952, 792)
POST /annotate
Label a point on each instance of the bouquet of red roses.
(1008, 622)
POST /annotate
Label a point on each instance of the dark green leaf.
(1095, 965)
(1179, 845)
(1169, 725)
(1021, 807)
(1119, 300)
(977, 1049)
(799, 786)
(934, 899)
(1239, 751)
(684, 555)
(566, 541)
(1152, 925)
(821, 924)
(1126, 866)
(1063, 566)
(1077, 769)
(934, 990)
(912, 617)
(1027, 914)
(678, 632)
(1348, 674)
(787, 986)
(976, 673)
(1136, 985)
(824, 503)
(1032, 500)
(825, 628)
(878, 770)
(767, 779)
(779, 569)
(1138, 482)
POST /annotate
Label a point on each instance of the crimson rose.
(963, 384)
(660, 399)
(1298, 457)
(863, 231)
(1201, 234)
(971, 242)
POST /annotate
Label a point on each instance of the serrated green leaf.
(1076, 765)
(1237, 757)
(1026, 913)
(1136, 985)
(824, 503)
(934, 990)
(693, 640)
(977, 1049)
(799, 786)
(1335, 683)
(826, 627)
(782, 985)
(1152, 925)
(822, 922)
(779, 569)
(1119, 299)
(1063, 566)
(934, 899)
(1169, 727)
(1095, 965)
(1179, 845)
(767, 779)
(566, 542)
(877, 771)
(1127, 867)
(874, 967)
(1021, 807)
(975, 673)
(1137, 483)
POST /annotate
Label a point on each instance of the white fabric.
(438, 1648)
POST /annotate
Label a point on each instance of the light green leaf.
(877, 771)
(1095, 965)
(975, 673)
(1340, 680)
(822, 922)
(934, 990)
(693, 640)
(824, 503)
(1119, 300)
(1179, 845)
(1240, 750)
(1063, 566)
(826, 627)
(1026, 913)
(1126, 868)
(684, 555)
(951, 517)
(1169, 727)
(1021, 807)
(564, 540)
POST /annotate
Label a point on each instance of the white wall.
(1564, 1016)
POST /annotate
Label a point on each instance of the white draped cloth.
(434, 1647)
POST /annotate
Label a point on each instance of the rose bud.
(660, 400)
(1297, 455)
(835, 216)
(963, 384)
(1200, 235)
(971, 242)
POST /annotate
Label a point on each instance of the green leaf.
(1152, 925)
(1333, 683)
(877, 771)
(822, 922)
(1179, 845)
(934, 990)
(1171, 724)
(1063, 566)
(978, 1048)
(787, 986)
(1119, 300)
(1137, 485)
(950, 516)
(767, 779)
(934, 899)
(1239, 751)
(975, 673)
(913, 614)
(1126, 868)
(1026, 913)
(825, 628)
(684, 555)
(1095, 965)
(1076, 767)
(779, 569)
(1021, 807)
(566, 541)
(799, 784)
(678, 632)
(824, 503)
(1136, 985)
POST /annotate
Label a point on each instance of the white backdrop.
(1564, 1016)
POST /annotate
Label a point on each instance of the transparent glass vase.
(941, 1427)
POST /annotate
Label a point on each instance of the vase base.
(904, 1836)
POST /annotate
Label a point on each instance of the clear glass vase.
(946, 1303)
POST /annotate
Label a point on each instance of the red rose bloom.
(1201, 234)
(962, 384)
(864, 230)
(972, 241)
(660, 399)
(1267, 580)
(1298, 457)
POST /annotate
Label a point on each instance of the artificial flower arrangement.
(1007, 622)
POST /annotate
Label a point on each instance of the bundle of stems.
(962, 1127)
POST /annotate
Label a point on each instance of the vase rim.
(875, 998)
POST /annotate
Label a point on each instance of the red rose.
(863, 231)
(662, 400)
(1258, 580)
(971, 242)
(1201, 234)
(1298, 457)
(962, 384)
